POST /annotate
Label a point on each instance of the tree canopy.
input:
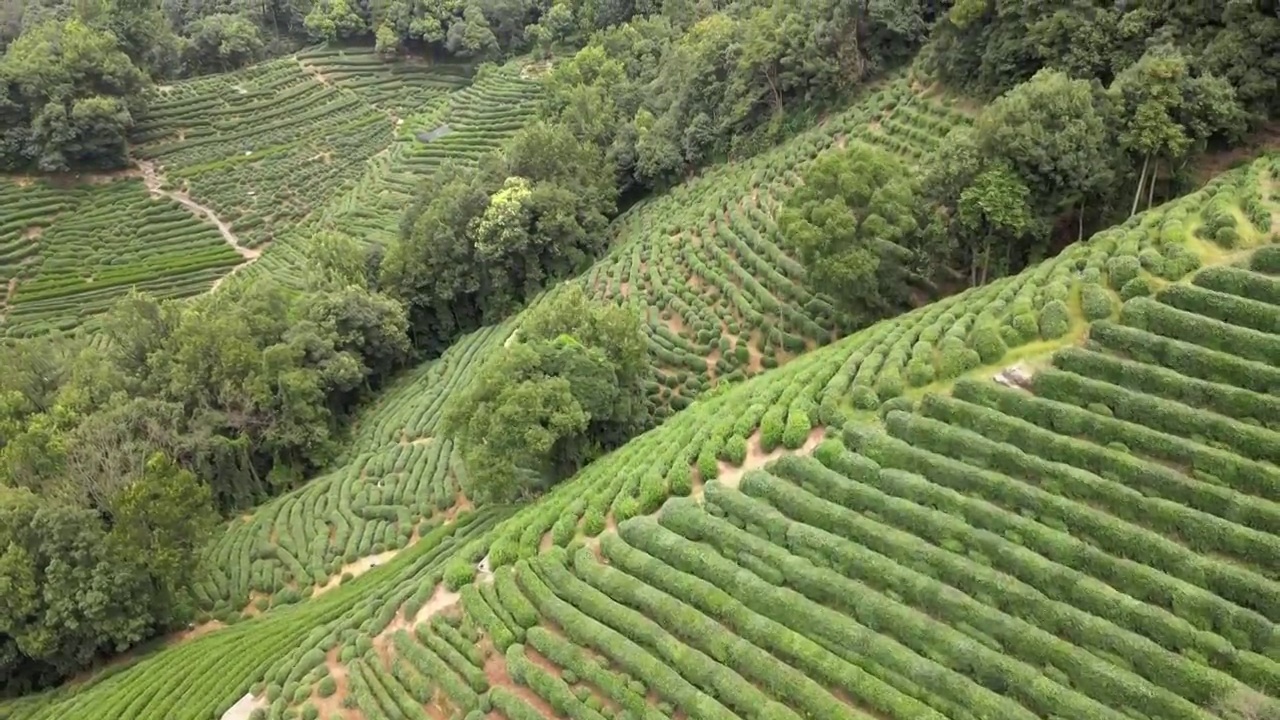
(570, 387)
(859, 225)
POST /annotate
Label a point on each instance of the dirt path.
(155, 185)
(731, 475)
(358, 568)
(244, 707)
(8, 297)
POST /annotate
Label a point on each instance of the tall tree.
(1057, 134)
(860, 228)
(67, 96)
(570, 386)
(1166, 112)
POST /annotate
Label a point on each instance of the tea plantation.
(325, 140)
(1055, 495)
(67, 254)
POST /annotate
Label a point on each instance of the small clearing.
(442, 599)
(32, 233)
(1017, 376)
(357, 568)
(730, 475)
(194, 632)
(244, 707)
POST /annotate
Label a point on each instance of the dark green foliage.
(858, 227)
(571, 386)
(1137, 287)
(1121, 269)
(985, 340)
(1236, 281)
(1266, 260)
(477, 242)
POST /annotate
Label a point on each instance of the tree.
(568, 388)
(68, 597)
(334, 19)
(993, 208)
(856, 224)
(163, 519)
(67, 92)
(1056, 134)
(223, 42)
(1167, 112)
(386, 41)
(470, 36)
(477, 242)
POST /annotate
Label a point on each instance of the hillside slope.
(1097, 537)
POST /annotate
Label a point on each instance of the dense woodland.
(118, 454)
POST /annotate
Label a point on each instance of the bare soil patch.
(331, 707)
(730, 475)
(32, 233)
(441, 600)
(1210, 164)
(495, 669)
(357, 568)
(194, 632)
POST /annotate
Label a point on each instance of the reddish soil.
(331, 707)
(495, 669)
(730, 475)
(1211, 164)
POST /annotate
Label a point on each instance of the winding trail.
(155, 185)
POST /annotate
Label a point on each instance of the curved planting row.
(283, 657)
(67, 254)
(1103, 542)
(395, 485)
(479, 119)
(978, 333)
(723, 298)
(264, 146)
(398, 86)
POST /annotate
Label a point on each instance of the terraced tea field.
(723, 298)
(1091, 534)
(263, 147)
(67, 254)
(399, 87)
(397, 483)
(463, 126)
(273, 153)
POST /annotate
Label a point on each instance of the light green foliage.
(1055, 320)
(73, 252)
(986, 341)
(1096, 302)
